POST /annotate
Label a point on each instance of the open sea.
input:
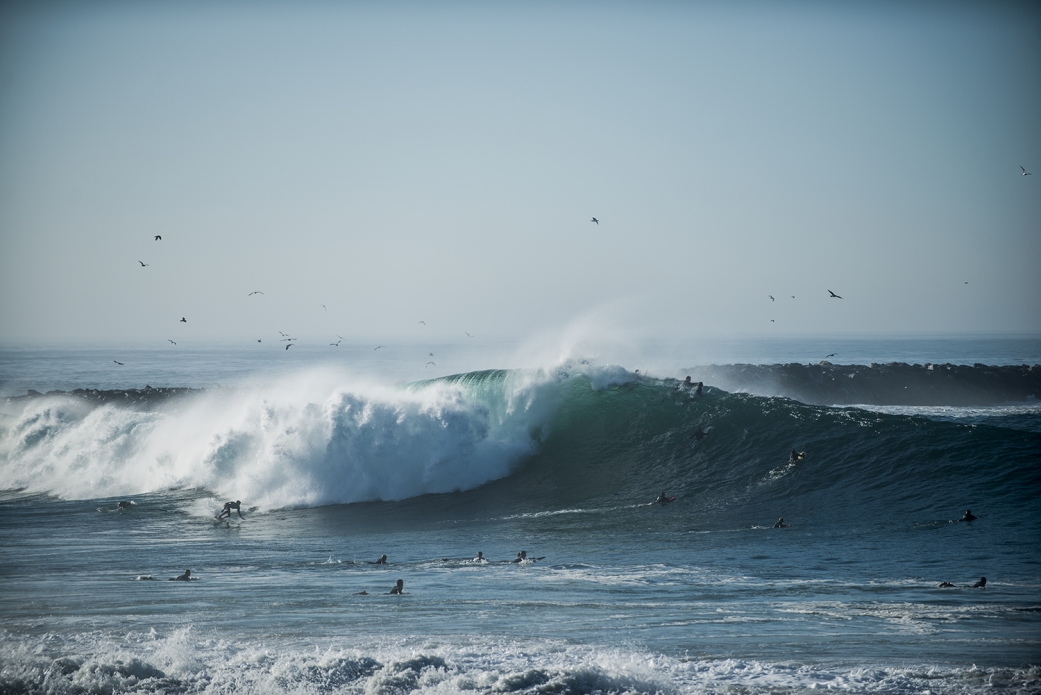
(342, 454)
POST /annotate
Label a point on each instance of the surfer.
(186, 577)
(124, 505)
(521, 557)
(699, 435)
(981, 584)
(780, 523)
(796, 456)
(697, 388)
(399, 587)
(381, 561)
(968, 516)
(945, 585)
(663, 499)
(480, 557)
(228, 506)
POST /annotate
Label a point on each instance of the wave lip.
(895, 383)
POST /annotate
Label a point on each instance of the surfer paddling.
(981, 584)
(796, 456)
(186, 577)
(780, 523)
(381, 561)
(228, 506)
(398, 588)
(664, 499)
(968, 516)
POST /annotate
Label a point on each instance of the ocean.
(342, 454)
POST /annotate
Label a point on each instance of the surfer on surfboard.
(796, 456)
(663, 499)
(228, 506)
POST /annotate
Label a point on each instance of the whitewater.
(340, 461)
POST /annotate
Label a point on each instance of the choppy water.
(336, 467)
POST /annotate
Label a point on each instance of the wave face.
(575, 436)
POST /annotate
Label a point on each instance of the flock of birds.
(290, 341)
(285, 337)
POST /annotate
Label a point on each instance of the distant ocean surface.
(341, 454)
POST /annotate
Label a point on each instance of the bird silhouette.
(143, 264)
(289, 346)
(831, 355)
(468, 335)
(170, 341)
(378, 347)
(834, 295)
(423, 322)
(336, 344)
(184, 320)
(117, 362)
(595, 220)
(1025, 172)
(431, 363)
(771, 297)
(158, 238)
(253, 293)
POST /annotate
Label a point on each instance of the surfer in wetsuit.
(945, 585)
(124, 505)
(698, 435)
(697, 389)
(399, 587)
(480, 557)
(228, 506)
(795, 456)
(968, 516)
(780, 523)
(381, 561)
(981, 584)
(186, 577)
(663, 499)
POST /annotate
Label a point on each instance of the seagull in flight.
(595, 220)
(289, 346)
(1025, 172)
(831, 355)
(143, 264)
(323, 306)
(468, 335)
(158, 238)
(336, 344)
(378, 347)
(430, 363)
(253, 293)
(834, 295)
(284, 335)
(258, 340)
(117, 362)
(771, 297)
(170, 341)
(184, 320)
(423, 322)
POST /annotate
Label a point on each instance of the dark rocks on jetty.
(145, 397)
(895, 383)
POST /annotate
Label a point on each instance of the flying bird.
(184, 320)
(423, 322)
(793, 296)
(253, 293)
(258, 340)
(771, 297)
(336, 344)
(1025, 172)
(595, 220)
(323, 306)
(431, 354)
(468, 335)
(430, 363)
(117, 362)
(170, 341)
(831, 355)
(284, 335)
(289, 346)
(143, 264)
(834, 295)
(378, 347)
(158, 238)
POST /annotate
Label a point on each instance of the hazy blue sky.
(400, 162)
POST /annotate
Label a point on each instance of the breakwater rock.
(895, 383)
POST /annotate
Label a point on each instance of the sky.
(367, 166)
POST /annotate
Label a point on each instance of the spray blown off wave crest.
(289, 444)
